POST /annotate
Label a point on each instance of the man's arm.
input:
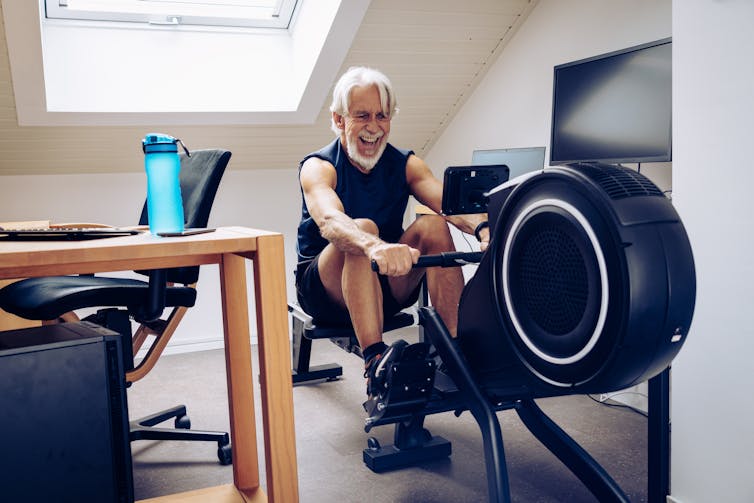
(427, 189)
(318, 179)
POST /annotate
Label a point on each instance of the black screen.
(614, 108)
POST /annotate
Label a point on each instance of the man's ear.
(339, 120)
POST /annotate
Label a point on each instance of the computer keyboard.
(63, 233)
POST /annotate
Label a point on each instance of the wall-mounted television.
(614, 108)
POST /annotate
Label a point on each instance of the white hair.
(361, 76)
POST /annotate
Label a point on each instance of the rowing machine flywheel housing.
(588, 285)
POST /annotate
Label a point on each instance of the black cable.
(463, 235)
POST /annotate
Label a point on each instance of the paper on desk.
(29, 224)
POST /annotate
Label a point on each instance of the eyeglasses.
(364, 117)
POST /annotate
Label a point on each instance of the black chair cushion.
(49, 297)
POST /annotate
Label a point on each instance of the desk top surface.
(43, 258)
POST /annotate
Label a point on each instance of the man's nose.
(373, 124)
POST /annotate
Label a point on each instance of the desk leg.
(238, 371)
(275, 369)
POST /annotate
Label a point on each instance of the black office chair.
(53, 299)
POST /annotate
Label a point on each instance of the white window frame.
(175, 12)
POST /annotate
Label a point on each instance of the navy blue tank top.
(381, 196)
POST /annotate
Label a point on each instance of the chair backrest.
(200, 177)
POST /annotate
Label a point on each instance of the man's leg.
(350, 281)
(430, 235)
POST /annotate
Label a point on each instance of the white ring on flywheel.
(581, 219)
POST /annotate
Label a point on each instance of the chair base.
(143, 429)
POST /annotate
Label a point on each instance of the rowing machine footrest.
(408, 387)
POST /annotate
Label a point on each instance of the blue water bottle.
(164, 203)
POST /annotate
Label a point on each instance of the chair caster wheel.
(373, 444)
(183, 422)
(225, 454)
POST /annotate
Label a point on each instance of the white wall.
(512, 105)
(713, 104)
(263, 199)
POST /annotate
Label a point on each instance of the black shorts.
(313, 298)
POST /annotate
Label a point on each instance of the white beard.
(365, 163)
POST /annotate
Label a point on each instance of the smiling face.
(365, 129)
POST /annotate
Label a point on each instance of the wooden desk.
(228, 247)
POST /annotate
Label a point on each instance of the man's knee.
(433, 232)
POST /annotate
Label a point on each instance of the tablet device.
(185, 232)
(465, 187)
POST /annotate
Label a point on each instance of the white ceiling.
(434, 51)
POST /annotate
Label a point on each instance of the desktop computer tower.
(63, 416)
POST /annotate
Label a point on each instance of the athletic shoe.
(376, 369)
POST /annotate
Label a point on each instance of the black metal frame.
(591, 473)
(658, 438)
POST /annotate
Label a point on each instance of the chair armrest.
(155, 301)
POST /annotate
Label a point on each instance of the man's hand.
(484, 242)
(393, 259)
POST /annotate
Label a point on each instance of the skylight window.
(73, 73)
(234, 13)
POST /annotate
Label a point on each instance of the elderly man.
(355, 191)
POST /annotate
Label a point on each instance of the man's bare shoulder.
(316, 163)
(417, 169)
(316, 170)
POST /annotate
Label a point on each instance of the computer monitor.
(614, 108)
(518, 160)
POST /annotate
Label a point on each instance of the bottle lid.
(159, 142)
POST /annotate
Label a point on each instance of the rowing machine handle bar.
(446, 259)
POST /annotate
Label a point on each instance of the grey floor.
(330, 439)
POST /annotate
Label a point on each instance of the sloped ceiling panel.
(434, 51)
